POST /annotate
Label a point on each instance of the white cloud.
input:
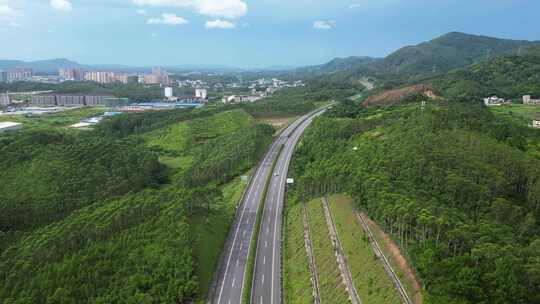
(142, 12)
(219, 24)
(169, 19)
(323, 25)
(215, 8)
(9, 13)
(61, 5)
(355, 5)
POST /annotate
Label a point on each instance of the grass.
(331, 284)
(370, 279)
(278, 122)
(297, 287)
(174, 142)
(211, 234)
(378, 234)
(518, 113)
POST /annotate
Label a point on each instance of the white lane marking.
(233, 281)
(237, 261)
(246, 203)
(241, 246)
(261, 300)
(263, 278)
(264, 260)
(265, 244)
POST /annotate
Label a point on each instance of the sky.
(245, 33)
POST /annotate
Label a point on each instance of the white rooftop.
(9, 124)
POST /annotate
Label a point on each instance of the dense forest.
(102, 217)
(453, 185)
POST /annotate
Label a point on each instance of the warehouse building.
(10, 126)
(70, 100)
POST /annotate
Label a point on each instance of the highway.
(266, 287)
(229, 282)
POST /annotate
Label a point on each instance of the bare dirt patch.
(391, 97)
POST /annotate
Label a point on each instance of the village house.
(527, 100)
(495, 101)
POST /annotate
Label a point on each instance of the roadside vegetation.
(369, 277)
(297, 288)
(466, 213)
(331, 284)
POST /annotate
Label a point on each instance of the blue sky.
(245, 33)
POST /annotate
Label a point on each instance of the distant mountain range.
(52, 65)
(445, 53)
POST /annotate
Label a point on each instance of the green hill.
(95, 218)
(506, 76)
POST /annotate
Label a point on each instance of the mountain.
(40, 66)
(442, 54)
(450, 51)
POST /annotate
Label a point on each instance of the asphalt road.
(232, 269)
(266, 288)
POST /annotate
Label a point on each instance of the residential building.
(19, 75)
(536, 123)
(4, 99)
(527, 100)
(10, 126)
(3, 76)
(168, 92)
(100, 77)
(71, 74)
(495, 101)
(201, 93)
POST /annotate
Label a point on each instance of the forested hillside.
(108, 217)
(453, 185)
(431, 58)
(509, 77)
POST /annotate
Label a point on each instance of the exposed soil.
(391, 97)
(399, 260)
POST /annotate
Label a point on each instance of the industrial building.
(10, 126)
(70, 100)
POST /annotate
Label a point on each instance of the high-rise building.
(19, 75)
(3, 76)
(100, 77)
(161, 75)
(4, 99)
(168, 92)
(71, 74)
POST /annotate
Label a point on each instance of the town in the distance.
(170, 91)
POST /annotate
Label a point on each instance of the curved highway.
(266, 288)
(229, 283)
